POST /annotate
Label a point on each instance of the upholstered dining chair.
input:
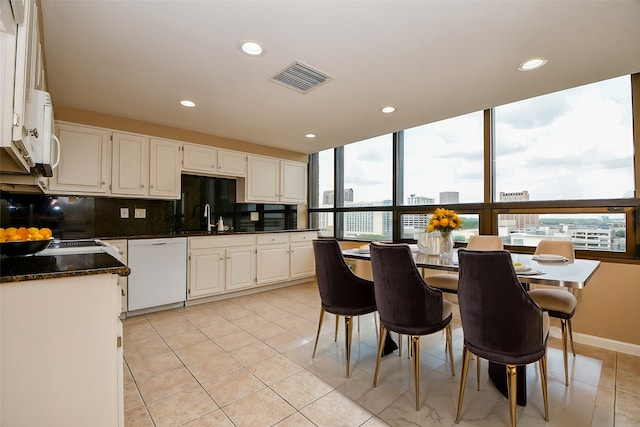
(500, 321)
(448, 282)
(341, 292)
(559, 303)
(406, 304)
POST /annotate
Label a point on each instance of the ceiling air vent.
(301, 77)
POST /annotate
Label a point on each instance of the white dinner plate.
(530, 272)
(364, 249)
(521, 268)
(549, 258)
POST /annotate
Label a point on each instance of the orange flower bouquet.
(444, 221)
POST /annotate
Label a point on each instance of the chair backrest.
(480, 242)
(500, 321)
(556, 247)
(339, 287)
(406, 304)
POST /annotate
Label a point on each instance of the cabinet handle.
(122, 291)
(119, 342)
(152, 186)
(103, 183)
(141, 185)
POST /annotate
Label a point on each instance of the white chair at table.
(559, 303)
(448, 282)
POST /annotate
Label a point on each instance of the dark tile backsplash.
(75, 217)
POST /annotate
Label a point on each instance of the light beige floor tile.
(179, 408)
(335, 410)
(265, 329)
(220, 329)
(163, 316)
(253, 353)
(185, 339)
(605, 398)
(629, 363)
(169, 328)
(196, 352)
(603, 418)
(204, 318)
(166, 383)
(295, 420)
(213, 367)
(285, 341)
(262, 408)
(624, 421)
(628, 404)
(274, 369)
(627, 381)
(234, 340)
(234, 313)
(132, 398)
(233, 386)
(301, 389)
(127, 373)
(139, 332)
(216, 418)
(137, 417)
(145, 349)
(147, 367)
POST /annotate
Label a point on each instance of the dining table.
(530, 269)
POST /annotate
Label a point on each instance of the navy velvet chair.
(341, 292)
(500, 321)
(406, 304)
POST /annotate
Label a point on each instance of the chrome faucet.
(207, 214)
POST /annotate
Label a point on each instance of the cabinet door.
(240, 267)
(293, 182)
(302, 260)
(164, 169)
(272, 263)
(232, 163)
(84, 160)
(121, 245)
(199, 158)
(130, 164)
(263, 179)
(206, 273)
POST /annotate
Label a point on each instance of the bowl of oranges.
(19, 241)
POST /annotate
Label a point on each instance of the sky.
(574, 144)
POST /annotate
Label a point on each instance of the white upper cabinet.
(293, 182)
(130, 164)
(271, 180)
(164, 168)
(232, 163)
(199, 158)
(84, 167)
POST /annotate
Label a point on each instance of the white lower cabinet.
(220, 263)
(302, 260)
(223, 264)
(61, 352)
(121, 245)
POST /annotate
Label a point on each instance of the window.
(368, 172)
(322, 180)
(417, 223)
(443, 162)
(569, 145)
(323, 222)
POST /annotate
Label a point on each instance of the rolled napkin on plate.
(364, 249)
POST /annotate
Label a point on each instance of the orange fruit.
(32, 230)
(10, 231)
(14, 238)
(22, 232)
(36, 236)
(46, 232)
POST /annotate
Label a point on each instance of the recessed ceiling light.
(388, 110)
(251, 48)
(532, 64)
(310, 135)
(187, 103)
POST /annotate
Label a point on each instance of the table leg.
(498, 374)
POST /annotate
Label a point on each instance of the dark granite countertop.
(197, 233)
(20, 268)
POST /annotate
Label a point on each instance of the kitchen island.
(61, 341)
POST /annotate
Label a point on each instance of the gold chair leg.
(375, 321)
(408, 347)
(563, 325)
(315, 346)
(573, 350)
(478, 363)
(450, 345)
(543, 380)
(383, 333)
(415, 354)
(512, 377)
(348, 329)
(463, 380)
(335, 337)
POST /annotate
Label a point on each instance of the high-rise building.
(328, 198)
(520, 221)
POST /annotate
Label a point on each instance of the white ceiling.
(429, 59)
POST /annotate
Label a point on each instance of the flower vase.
(429, 243)
(446, 245)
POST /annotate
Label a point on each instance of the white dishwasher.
(158, 272)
